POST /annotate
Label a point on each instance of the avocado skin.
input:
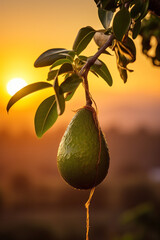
(78, 158)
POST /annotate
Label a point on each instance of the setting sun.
(15, 84)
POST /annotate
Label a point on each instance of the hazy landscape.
(35, 199)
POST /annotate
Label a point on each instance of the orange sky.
(30, 27)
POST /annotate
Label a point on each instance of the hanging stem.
(86, 86)
(87, 212)
(85, 69)
(84, 74)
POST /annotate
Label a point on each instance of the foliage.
(128, 22)
(140, 223)
(151, 29)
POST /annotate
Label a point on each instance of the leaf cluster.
(151, 29)
(125, 53)
(127, 18)
(122, 21)
(66, 64)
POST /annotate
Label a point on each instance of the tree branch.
(91, 60)
(85, 69)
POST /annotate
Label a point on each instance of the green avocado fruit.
(83, 157)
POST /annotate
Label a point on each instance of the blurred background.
(35, 202)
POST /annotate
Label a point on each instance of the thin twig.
(87, 212)
(86, 87)
(85, 69)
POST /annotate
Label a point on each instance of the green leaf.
(52, 75)
(59, 98)
(98, 63)
(83, 38)
(82, 58)
(70, 84)
(46, 115)
(105, 17)
(66, 67)
(123, 74)
(101, 3)
(50, 56)
(136, 9)
(146, 45)
(60, 62)
(106, 4)
(27, 90)
(139, 10)
(144, 10)
(69, 95)
(103, 72)
(136, 29)
(94, 73)
(126, 51)
(106, 52)
(121, 23)
(71, 55)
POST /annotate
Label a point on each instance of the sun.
(15, 84)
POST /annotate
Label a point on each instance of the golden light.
(15, 84)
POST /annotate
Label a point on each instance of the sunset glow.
(15, 84)
(24, 39)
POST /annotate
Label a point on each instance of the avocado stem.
(85, 69)
(86, 86)
(87, 211)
